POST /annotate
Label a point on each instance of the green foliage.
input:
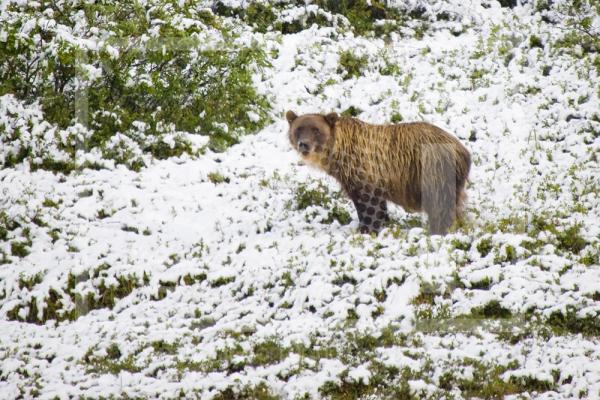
(343, 279)
(263, 18)
(338, 214)
(493, 309)
(488, 381)
(221, 281)
(28, 282)
(464, 245)
(217, 177)
(396, 117)
(142, 85)
(114, 363)
(570, 239)
(113, 352)
(364, 15)
(319, 196)
(535, 41)
(19, 249)
(306, 197)
(484, 246)
(351, 111)
(483, 284)
(268, 352)
(591, 256)
(160, 346)
(578, 17)
(258, 392)
(351, 65)
(570, 322)
(7, 225)
(54, 308)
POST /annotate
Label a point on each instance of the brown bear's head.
(311, 134)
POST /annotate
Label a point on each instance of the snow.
(245, 234)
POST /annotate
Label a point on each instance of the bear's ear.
(331, 118)
(290, 116)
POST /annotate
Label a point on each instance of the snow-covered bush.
(103, 68)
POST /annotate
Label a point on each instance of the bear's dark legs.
(441, 220)
(440, 204)
(371, 207)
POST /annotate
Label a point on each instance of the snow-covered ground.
(202, 277)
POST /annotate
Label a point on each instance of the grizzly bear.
(415, 165)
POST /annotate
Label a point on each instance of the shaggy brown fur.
(416, 165)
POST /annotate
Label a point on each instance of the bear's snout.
(303, 147)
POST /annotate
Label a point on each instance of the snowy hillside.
(241, 274)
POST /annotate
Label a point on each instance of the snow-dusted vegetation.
(160, 239)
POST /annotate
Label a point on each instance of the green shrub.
(150, 78)
(363, 15)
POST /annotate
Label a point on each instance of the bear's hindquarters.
(444, 171)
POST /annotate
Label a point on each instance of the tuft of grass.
(535, 41)
(460, 244)
(351, 111)
(113, 351)
(221, 281)
(342, 279)
(49, 203)
(132, 229)
(426, 296)
(493, 309)
(20, 248)
(591, 257)
(396, 117)
(483, 284)
(28, 282)
(217, 177)
(287, 280)
(484, 246)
